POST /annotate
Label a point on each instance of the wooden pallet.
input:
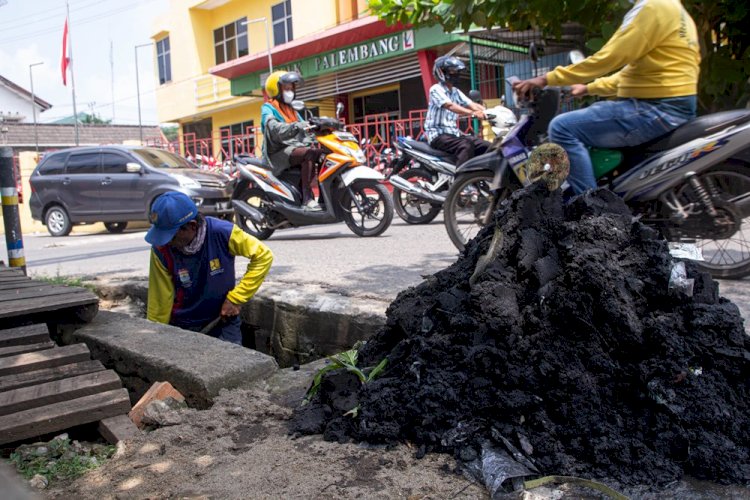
(46, 389)
(24, 301)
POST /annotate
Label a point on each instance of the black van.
(117, 184)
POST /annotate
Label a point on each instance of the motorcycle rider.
(446, 103)
(286, 143)
(655, 56)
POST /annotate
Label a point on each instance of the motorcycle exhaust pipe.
(417, 191)
(249, 211)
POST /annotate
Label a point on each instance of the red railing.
(375, 134)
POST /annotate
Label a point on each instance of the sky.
(31, 31)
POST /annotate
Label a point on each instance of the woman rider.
(286, 143)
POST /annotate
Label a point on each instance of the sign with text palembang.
(365, 52)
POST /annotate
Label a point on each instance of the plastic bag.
(678, 280)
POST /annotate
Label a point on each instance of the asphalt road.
(329, 256)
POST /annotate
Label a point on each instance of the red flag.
(65, 59)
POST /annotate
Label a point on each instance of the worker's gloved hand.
(229, 309)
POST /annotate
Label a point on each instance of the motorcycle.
(419, 191)
(349, 191)
(693, 185)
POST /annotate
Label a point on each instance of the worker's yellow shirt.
(654, 54)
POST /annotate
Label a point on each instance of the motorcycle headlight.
(186, 182)
(358, 154)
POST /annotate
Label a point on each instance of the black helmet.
(447, 68)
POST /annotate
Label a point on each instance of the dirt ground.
(240, 448)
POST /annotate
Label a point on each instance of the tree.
(722, 25)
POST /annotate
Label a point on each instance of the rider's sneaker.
(311, 205)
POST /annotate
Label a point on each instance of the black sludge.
(569, 347)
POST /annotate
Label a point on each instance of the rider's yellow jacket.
(654, 54)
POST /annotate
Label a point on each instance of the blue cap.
(169, 212)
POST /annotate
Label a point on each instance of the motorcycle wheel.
(466, 205)
(257, 198)
(727, 258)
(370, 211)
(410, 208)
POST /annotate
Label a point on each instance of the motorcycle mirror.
(298, 105)
(576, 56)
(533, 52)
(339, 109)
(475, 96)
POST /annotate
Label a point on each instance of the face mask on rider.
(453, 78)
(288, 96)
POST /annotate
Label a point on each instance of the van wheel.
(115, 227)
(57, 221)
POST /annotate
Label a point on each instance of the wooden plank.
(119, 428)
(20, 349)
(58, 390)
(55, 303)
(64, 415)
(32, 334)
(44, 359)
(19, 284)
(26, 379)
(36, 291)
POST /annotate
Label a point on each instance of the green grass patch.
(60, 461)
(65, 280)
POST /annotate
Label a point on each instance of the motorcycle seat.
(425, 148)
(699, 127)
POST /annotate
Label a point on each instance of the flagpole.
(72, 72)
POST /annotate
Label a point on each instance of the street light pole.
(268, 39)
(33, 106)
(138, 89)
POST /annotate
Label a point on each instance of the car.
(117, 184)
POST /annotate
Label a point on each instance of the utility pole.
(138, 89)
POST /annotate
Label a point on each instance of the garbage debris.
(568, 351)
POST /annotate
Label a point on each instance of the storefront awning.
(345, 34)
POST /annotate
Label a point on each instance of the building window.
(230, 41)
(238, 138)
(164, 61)
(282, 22)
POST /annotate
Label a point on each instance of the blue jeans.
(614, 124)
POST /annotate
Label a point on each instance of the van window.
(159, 158)
(84, 163)
(112, 163)
(52, 164)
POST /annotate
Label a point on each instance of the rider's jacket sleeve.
(656, 47)
(605, 86)
(160, 291)
(281, 131)
(242, 244)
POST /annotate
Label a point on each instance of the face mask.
(288, 96)
(453, 78)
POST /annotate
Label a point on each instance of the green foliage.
(171, 132)
(346, 360)
(65, 280)
(723, 26)
(61, 460)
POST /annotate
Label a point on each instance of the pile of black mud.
(568, 348)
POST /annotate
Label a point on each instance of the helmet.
(445, 66)
(277, 78)
(548, 163)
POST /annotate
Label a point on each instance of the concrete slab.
(143, 352)
(294, 323)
